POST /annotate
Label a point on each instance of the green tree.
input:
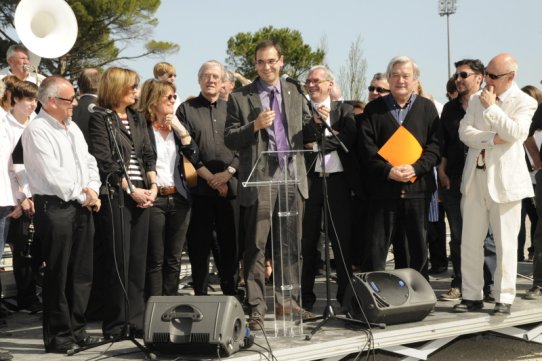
(298, 56)
(106, 28)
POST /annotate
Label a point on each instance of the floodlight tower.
(447, 7)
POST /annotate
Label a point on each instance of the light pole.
(447, 7)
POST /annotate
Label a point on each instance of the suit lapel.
(287, 106)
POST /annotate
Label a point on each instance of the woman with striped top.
(124, 219)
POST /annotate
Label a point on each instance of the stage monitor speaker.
(389, 297)
(194, 324)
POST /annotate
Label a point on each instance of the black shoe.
(468, 306)
(501, 309)
(33, 308)
(64, 348)
(534, 293)
(89, 340)
(255, 323)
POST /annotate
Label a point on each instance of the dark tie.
(281, 140)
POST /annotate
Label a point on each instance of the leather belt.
(167, 191)
(322, 174)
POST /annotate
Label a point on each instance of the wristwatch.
(231, 170)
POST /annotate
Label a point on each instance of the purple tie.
(281, 140)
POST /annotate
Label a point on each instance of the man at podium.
(268, 115)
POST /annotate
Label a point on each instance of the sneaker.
(534, 293)
(453, 294)
(255, 323)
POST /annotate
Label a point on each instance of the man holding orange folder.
(399, 147)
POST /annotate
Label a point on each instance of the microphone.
(292, 80)
(93, 108)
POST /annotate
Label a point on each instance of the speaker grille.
(160, 337)
(199, 338)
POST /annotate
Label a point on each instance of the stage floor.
(334, 341)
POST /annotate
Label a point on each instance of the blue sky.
(479, 29)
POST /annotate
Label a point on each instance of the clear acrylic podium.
(279, 182)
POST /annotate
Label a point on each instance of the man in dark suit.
(268, 115)
(88, 87)
(339, 172)
(400, 194)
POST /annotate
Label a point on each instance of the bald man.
(495, 180)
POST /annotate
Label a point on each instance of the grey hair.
(49, 88)
(402, 59)
(14, 48)
(328, 73)
(229, 76)
(212, 63)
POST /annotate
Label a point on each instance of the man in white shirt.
(18, 60)
(64, 180)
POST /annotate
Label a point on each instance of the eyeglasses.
(268, 62)
(497, 76)
(462, 74)
(378, 89)
(170, 97)
(315, 81)
(69, 100)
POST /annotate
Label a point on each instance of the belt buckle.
(163, 191)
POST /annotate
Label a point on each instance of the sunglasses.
(463, 75)
(378, 89)
(170, 97)
(497, 76)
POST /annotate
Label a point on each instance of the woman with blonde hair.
(124, 219)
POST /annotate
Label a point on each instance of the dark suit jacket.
(190, 151)
(81, 115)
(101, 147)
(378, 126)
(244, 106)
(342, 120)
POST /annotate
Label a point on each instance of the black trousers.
(24, 269)
(66, 231)
(436, 239)
(339, 228)
(124, 261)
(410, 215)
(169, 219)
(210, 213)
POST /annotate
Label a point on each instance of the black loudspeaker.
(194, 324)
(389, 297)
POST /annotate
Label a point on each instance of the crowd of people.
(118, 179)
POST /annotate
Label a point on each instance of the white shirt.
(8, 183)
(166, 159)
(31, 76)
(57, 160)
(16, 130)
(332, 161)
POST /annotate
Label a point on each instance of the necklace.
(161, 126)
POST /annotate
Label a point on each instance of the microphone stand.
(126, 333)
(329, 312)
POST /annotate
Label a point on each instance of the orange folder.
(401, 148)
